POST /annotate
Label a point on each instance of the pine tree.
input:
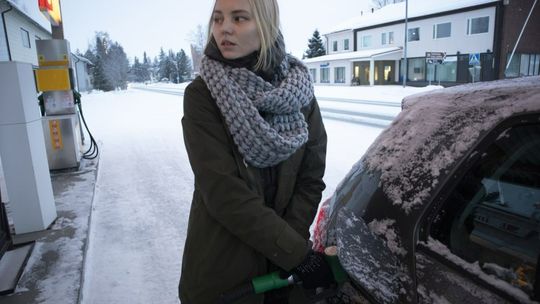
(315, 46)
(146, 68)
(184, 66)
(111, 65)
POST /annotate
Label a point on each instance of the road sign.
(435, 57)
(474, 59)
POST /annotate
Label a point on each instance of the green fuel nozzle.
(274, 281)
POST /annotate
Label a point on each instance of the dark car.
(444, 207)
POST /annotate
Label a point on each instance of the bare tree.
(380, 3)
(197, 38)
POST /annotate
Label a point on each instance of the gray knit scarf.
(264, 119)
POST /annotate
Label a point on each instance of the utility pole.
(405, 46)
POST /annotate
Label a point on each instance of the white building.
(369, 48)
(21, 24)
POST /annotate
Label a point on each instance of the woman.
(257, 146)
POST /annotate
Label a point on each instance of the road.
(144, 188)
(367, 112)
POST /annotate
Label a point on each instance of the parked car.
(444, 207)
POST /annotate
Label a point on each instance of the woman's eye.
(240, 18)
(217, 19)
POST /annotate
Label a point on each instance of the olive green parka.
(232, 234)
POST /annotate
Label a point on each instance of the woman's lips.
(227, 43)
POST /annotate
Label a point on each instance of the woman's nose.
(227, 26)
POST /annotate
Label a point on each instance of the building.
(526, 59)
(20, 27)
(369, 49)
(21, 24)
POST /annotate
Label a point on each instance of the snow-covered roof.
(437, 128)
(396, 12)
(355, 55)
(82, 58)
(30, 9)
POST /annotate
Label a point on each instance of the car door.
(479, 241)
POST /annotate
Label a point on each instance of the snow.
(396, 12)
(435, 130)
(354, 55)
(383, 228)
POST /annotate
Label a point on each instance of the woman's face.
(234, 28)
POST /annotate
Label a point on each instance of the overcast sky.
(148, 25)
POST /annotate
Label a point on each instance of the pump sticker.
(56, 135)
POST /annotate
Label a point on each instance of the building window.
(339, 75)
(346, 44)
(414, 34)
(391, 38)
(442, 30)
(313, 74)
(325, 75)
(416, 67)
(383, 38)
(25, 38)
(523, 65)
(334, 46)
(366, 41)
(447, 71)
(477, 25)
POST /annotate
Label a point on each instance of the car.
(444, 207)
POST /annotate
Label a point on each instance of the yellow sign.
(56, 135)
(52, 80)
(51, 10)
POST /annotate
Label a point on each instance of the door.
(384, 72)
(481, 242)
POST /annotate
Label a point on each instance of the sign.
(323, 65)
(435, 57)
(51, 10)
(474, 59)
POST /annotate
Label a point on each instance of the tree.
(198, 42)
(111, 65)
(184, 66)
(381, 3)
(315, 46)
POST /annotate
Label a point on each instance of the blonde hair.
(266, 16)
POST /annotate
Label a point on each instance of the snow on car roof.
(437, 128)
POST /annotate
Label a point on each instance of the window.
(442, 30)
(325, 75)
(366, 41)
(477, 25)
(491, 217)
(414, 34)
(447, 71)
(523, 65)
(334, 46)
(25, 37)
(391, 38)
(313, 74)
(339, 75)
(416, 67)
(346, 44)
(383, 38)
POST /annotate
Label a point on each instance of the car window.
(492, 217)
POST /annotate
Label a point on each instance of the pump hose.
(93, 150)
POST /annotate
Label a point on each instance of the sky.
(148, 25)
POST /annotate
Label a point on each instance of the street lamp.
(405, 46)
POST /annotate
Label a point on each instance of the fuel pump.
(60, 120)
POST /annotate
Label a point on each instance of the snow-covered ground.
(145, 183)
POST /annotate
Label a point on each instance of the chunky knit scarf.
(264, 119)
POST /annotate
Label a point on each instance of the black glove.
(314, 271)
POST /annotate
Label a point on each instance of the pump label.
(56, 135)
